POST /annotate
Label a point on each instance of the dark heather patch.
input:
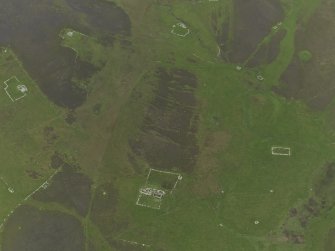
(56, 161)
(168, 136)
(313, 81)
(133, 161)
(59, 160)
(294, 237)
(105, 18)
(70, 117)
(33, 174)
(325, 187)
(268, 52)
(223, 41)
(31, 29)
(330, 241)
(103, 211)
(97, 108)
(252, 21)
(84, 70)
(30, 229)
(91, 247)
(322, 201)
(220, 27)
(70, 167)
(223, 36)
(50, 135)
(70, 189)
(192, 60)
(293, 212)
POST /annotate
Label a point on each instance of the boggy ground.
(313, 81)
(168, 137)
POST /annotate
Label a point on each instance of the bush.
(305, 55)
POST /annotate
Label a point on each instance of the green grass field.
(22, 151)
(237, 195)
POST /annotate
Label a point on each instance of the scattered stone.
(260, 77)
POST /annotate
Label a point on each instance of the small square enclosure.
(157, 186)
(279, 150)
(14, 89)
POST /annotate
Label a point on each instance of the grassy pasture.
(23, 152)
